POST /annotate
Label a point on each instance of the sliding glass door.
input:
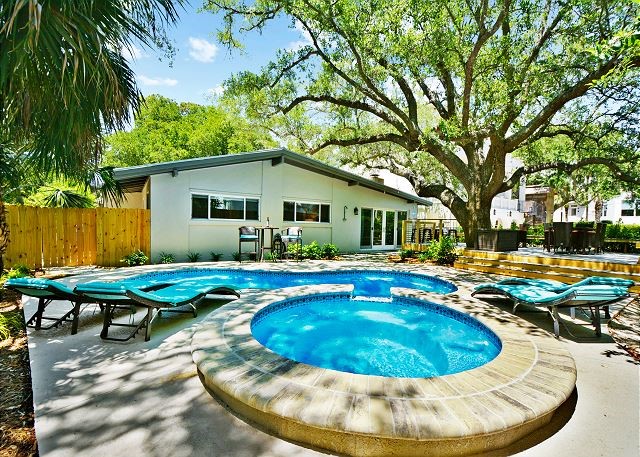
(380, 228)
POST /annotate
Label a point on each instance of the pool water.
(402, 338)
(370, 283)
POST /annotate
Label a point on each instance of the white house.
(197, 205)
(623, 208)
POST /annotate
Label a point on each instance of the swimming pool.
(472, 411)
(369, 283)
(404, 337)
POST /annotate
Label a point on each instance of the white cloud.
(306, 38)
(157, 81)
(202, 50)
(216, 91)
(133, 53)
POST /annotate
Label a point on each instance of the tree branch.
(392, 137)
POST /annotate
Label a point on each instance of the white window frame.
(301, 202)
(211, 195)
(573, 210)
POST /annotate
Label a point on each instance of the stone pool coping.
(485, 408)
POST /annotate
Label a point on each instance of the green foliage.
(623, 231)
(63, 79)
(441, 92)
(312, 251)
(19, 271)
(584, 224)
(166, 257)
(536, 230)
(443, 251)
(235, 256)
(135, 258)
(11, 323)
(514, 225)
(165, 130)
(329, 251)
(62, 194)
(424, 257)
(406, 254)
(215, 256)
(193, 256)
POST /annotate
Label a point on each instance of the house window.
(605, 208)
(630, 208)
(573, 210)
(207, 206)
(305, 212)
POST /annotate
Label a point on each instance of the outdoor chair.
(548, 236)
(591, 296)
(292, 235)
(47, 291)
(185, 293)
(562, 236)
(248, 235)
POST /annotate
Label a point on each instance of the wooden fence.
(55, 237)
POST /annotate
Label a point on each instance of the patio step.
(565, 270)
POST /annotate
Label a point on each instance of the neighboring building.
(624, 208)
(197, 205)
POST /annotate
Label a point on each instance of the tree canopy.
(462, 84)
(167, 130)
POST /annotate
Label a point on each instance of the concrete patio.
(95, 398)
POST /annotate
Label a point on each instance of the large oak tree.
(453, 86)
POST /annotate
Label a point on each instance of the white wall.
(173, 230)
(613, 212)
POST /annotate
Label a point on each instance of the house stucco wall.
(174, 231)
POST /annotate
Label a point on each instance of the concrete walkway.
(97, 398)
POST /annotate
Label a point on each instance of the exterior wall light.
(355, 211)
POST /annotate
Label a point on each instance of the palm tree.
(64, 80)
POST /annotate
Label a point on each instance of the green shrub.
(166, 257)
(406, 254)
(443, 251)
(235, 256)
(513, 225)
(312, 251)
(18, 271)
(135, 258)
(623, 231)
(193, 256)
(423, 257)
(584, 224)
(215, 256)
(329, 251)
(11, 322)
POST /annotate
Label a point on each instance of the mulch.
(17, 433)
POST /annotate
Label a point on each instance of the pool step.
(565, 270)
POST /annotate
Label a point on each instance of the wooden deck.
(537, 263)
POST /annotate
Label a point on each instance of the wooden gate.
(55, 237)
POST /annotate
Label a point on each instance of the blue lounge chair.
(113, 296)
(46, 291)
(591, 296)
(185, 293)
(557, 286)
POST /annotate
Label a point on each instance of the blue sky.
(201, 64)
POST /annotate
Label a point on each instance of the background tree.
(166, 130)
(63, 78)
(465, 83)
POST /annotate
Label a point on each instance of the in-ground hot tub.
(475, 410)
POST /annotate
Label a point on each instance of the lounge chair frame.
(48, 291)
